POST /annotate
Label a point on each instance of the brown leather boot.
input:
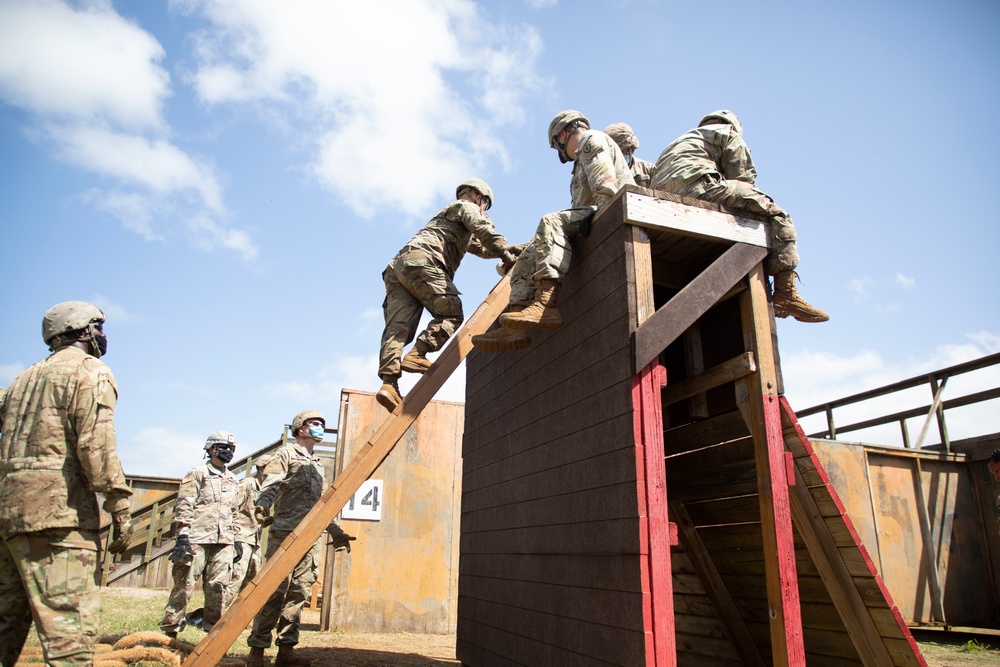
(542, 314)
(256, 657)
(416, 360)
(787, 301)
(388, 396)
(502, 339)
(288, 657)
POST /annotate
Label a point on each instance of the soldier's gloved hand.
(517, 249)
(182, 550)
(506, 263)
(238, 551)
(341, 540)
(263, 516)
(121, 533)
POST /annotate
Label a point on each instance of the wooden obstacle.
(636, 489)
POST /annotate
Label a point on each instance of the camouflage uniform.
(599, 171)
(712, 162)
(205, 511)
(293, 483)
(57, 450)
(248, 534)
(421, 274)
(642, 171)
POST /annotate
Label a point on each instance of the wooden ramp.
(636, 489)
(368, 458)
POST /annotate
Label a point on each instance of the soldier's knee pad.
(448, 306)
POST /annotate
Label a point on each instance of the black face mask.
(100, 341)
(225, 455)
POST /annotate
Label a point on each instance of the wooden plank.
(727, 371)
(694, 365)
(642, 268)
(614, 572)
(760, 407)
(673, 318)
(214, 646)
(722, 428)
(687, 220)
(619, 536)
(715, 587)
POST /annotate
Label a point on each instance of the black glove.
(182, 550)
(238, 548)
(341, 540)
(263, 516)
(588, 222)
(121, 533)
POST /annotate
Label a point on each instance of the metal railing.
(933, 412)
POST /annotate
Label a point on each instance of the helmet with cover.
(722, 117)
(305, 416)
(559, 123)
(480, 186)
(220, 438)
(69, 316)
(624, 136)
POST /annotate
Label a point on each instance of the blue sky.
(229, 179)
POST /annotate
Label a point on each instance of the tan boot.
(289, 657)
(788, 302)
(388, 396)
(542, 314)
(416, 360)
(256, 657)
(502, 339)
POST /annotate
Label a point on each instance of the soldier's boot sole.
(543, 317)
(798, 308)
(388, 397)
(414, 362)
(501, 340)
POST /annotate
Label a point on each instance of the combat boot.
(503, 339)
(787, 301)
(256, 657)
(288, 657)
(542, 314)
(388, 396)
(416, 360)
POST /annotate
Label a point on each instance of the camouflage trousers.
(244, 570)
(214, 564)
(284, 608)
(414, 280)
(548, 255)
(740, 195)
(50, 577)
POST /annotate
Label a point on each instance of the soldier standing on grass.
(293, 484)
(205, 516)
(57, 451)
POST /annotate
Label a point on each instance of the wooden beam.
(673, 318)
(727, 371)
(687, 220)
(757, 399)
(694, 364)
(368, 458)
(715, 586)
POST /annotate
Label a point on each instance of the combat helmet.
(480, 186)
(305, 416)
(219, 438)
(70, 316)
(722, 117)
(559, 123)
(623, 135)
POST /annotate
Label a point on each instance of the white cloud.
(166, 451)
(136, 212)
(113, 311)
(209, 234)
(541, 4)
(430, 87)
(860, 286)
(10, 371)
(906, 282)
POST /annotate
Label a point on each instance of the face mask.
(224, 455)
(100, 342)
(316, 433)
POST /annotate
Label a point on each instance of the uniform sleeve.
(3, 397)
(274, 474)
(96, 446)
(187, 496)
(736, 164)
(599, 169)
(486, 241)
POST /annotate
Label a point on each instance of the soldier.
(712, 162)
(57, 451)
(293, 483)
(420, 276)
(205, 517)
(599, 171)
(642, 170)
(247, 533)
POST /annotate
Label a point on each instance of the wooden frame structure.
(575, 551)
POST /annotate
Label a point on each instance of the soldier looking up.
(205, 517)
(623, 135)
(712, 162)
(57, 452)
(293, 483)
(599, 171)
(420, 276)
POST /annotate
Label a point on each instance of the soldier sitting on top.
(420, 276)
(599, 171)
(642, 170)
(712, 162)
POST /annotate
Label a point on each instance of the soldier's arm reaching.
(93, 413)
